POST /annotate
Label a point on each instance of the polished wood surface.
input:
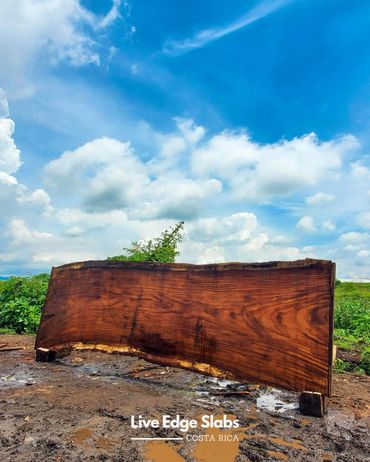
(269, 323)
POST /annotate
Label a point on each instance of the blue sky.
(247, 119)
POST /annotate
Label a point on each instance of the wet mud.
(79, 408)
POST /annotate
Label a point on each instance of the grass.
(6, 330)
(352, 325)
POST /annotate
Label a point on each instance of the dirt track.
(79, 408)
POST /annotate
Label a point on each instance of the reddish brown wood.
(262, 322)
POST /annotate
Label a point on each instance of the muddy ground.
(78, 408)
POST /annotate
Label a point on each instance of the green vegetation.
(352, 325)
(161, 249)
(21, 299)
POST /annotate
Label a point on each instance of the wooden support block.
(312, 403)
(45, 355)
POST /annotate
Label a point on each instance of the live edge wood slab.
(270, 323)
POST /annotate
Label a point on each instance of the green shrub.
(161, 249)
(342, 366)
(344, 339)
(346, 366)
(21, 300)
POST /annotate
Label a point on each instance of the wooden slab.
(270, 323)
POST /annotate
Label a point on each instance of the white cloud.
(201, 253)
(7, 180)
(256, 243)
(21, 234)
(329, 225)
(191, 132)
(74, 231)
(172, 196)
(38, 198)
(359, 171)
(32, 32)
(306, 224)
(202, 38)
(104, 174)
(9, 153)
(354, 237)
(236, 227)
(319, 198)
(262, 172)
(12, 193)
(364, 220)
(4, 107)
(112, 15)
(354, 240)
(235, 237)
(76, 221)
(171, 146)
(224, 154)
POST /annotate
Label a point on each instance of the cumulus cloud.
(178, 198)
(38, 198)
(9, 154)
(359, 171)
(17, 204)
(34, 31)
(13, 193)
(191, 132)
(224, 155)
(21, 234)
(236, 237)
(236, 227)
(173, 146)
(306, 224)
(354, 239)
(104, 174)
(265, 171)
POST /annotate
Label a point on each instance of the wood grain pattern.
(270, 323)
